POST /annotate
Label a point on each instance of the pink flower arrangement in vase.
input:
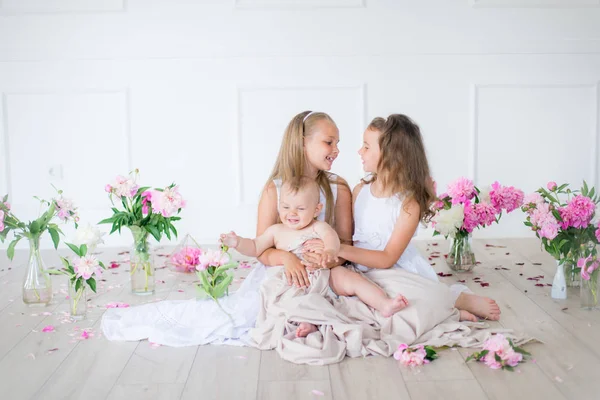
(82, 271)
(463, 208)
(145, 212)
(566, 221)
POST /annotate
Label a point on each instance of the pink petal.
(49, 328)
(85, 335)
(245, 265)
(117, 305)
(317, 392)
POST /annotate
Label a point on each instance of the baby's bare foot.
(304, 329)
(467, 316)
(394, 305)
(483, 307)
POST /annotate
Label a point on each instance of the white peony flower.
(89, 235)
(448, 221)
(484, 195)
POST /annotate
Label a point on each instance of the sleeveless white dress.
(374, 221)
(193, 322)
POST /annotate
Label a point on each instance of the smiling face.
(320, 145)
(297, 209)
(370, 151)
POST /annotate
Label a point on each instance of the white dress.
(195, 322)
(374, 221)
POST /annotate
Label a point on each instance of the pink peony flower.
(187, 259)
(471, 219)
(401, 348)
(1, 220)
(512, 358)
(551, 186)
(531, 201)
(505, 197)
(86, 266)
(108, 188)
(461, 190)
(490, 361)
(411, 357)
(167, 202)
(544, 221)
(579, 212)
(123, 187)
(66, 209)
(211, 258)
(486, 213)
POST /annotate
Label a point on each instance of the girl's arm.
(295, 272)
(404, 229)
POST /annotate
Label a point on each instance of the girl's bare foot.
(394, 305)
(304, 329)
(483, 307)
(467, 316)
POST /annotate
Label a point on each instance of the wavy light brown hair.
(403, 168)
(291, 161)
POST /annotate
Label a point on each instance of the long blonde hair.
(291, 160)
(403, 169)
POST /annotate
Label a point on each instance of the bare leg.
(349, 283)
(483, 307)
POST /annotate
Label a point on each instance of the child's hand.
(230, 239)
(329, 256)
(312, 245)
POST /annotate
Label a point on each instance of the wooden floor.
(61, 365)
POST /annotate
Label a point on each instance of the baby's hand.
(230, 239)
(328, 257)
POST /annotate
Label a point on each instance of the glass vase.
(589, 292)
(77, 302)
(461, 257)
(141, 263)
(37, 286)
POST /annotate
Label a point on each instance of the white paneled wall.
(199, 93)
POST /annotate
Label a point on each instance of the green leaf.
(471, 357)
(153, 231)
(520, 350)
(225, 267)
(34, 228)
(173, 229)
(221, 287)
(74, 248)
(83, 250)
(10, 252)
(204, 280)
(497, 357)
(108, 220)
(584, 191)
(92, 283)
(65, 262)
(78, 284)
(508, 367)
(54, 235)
